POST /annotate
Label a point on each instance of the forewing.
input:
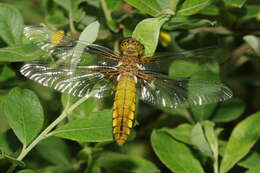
(84, 81)
(167, 92)
(68, 49)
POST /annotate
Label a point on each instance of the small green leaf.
(254, 43)
(28, 52)
(235, 3)
(54, 150)
(89, 35)
(199, 140)
(229, 110)
(181, 133)
(26, 171)
(11, 24)
(116, 162)
(150, 7)
(24, 114)
(190, 7)
(212, 138)
(96, 128)
(250, 161)
(243, 137)
(175, 155)
(7, 73)
(147, 32)
(168, 4)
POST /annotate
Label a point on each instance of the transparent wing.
(82, 82)
(199, 54)
(66, 48)
(167, 92)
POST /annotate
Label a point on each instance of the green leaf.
(28, 52)
(190, 7)
(150, 7)
(5, 147)
(235, 3)
(7, 73)
(82, 110)
(203, 112)
(116, 162)
(24, 114)
(175, 155)
(57, 20)
(229, 110)
(243, 137)
(147, 32)
(11, 24)
(168, 4)
(181, 133)
(89, 34)
(26, 171)
(254, 43)
(96, 128)
(185, 22)
(211, 137)
(251, 161)
(199, 140)
(254, 169)
(54, 150)
(252, 11)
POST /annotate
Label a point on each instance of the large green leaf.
(28, 52)
(229, 110)
(96, 128)
(175, 155)
(147, 32)
(24, 114)
(190, 7)
(116, 162)
(11, 24)
(243, 137)
(54, 150)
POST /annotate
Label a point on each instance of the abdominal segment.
(124, 108)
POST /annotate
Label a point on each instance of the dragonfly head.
(131, 47)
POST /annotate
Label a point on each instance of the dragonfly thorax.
(131, 47)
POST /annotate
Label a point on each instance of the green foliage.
(175, 155)
(24, 114)
(67, 134)
(95, 128)
(11, 24)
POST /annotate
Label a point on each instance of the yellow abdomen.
(124, 108)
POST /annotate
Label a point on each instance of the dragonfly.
(125, 74)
